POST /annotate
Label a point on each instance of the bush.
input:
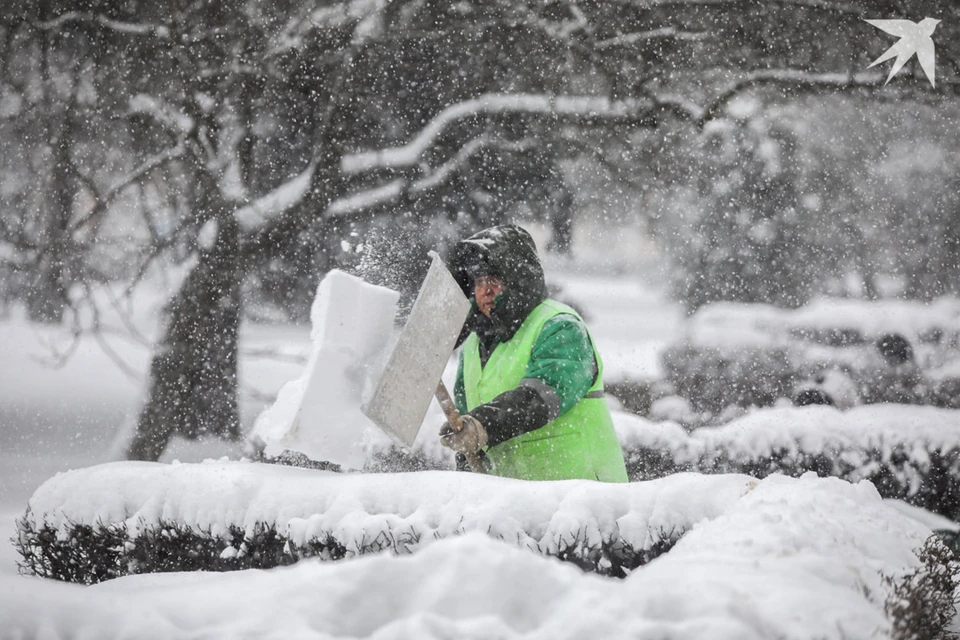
(908, 453)
(933, 486)
(90, 554)
(911, 454)
(222, 515)
(921, 604)
(712, 379)
(753, 354)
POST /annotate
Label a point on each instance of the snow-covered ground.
(779, 558)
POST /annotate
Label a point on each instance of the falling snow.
(751, 211)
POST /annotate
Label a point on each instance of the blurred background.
(746, 214)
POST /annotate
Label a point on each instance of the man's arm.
(561, 370)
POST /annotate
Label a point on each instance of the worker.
(530, 381)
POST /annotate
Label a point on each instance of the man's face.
(485, 290)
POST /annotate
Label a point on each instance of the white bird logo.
(914, 39)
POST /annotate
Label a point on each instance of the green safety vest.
(580, 444)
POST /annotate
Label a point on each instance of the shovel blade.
(409, 381)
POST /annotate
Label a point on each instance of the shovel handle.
(453, 417)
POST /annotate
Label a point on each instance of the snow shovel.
(412, 375)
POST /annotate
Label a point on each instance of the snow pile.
(319, 414)
(306, 505)
(789, 559)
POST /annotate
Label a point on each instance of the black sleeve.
(515, 412)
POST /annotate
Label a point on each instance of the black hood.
(509, 252)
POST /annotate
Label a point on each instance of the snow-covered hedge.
(122, 518)
(752, 354)
(908, 452)
(779, 558)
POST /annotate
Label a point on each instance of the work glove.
(470, 439)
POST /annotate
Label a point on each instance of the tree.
(276, 126)
(748, 242)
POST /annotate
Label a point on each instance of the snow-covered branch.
(825, 5)
(274, 203)
(131, 28)
(369, 199)
(584, 108)
(394, 190)
(339, 15)
(581, 107)
(796, 79)
(628, 39)
(447, 169)
(164, 113)
(560, 30)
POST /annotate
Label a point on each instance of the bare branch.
(139, 172)
(58, 357)
(621, 174)
(86, 180)
(96, 330)
(154, 251)
(145, 167)
(126, 318)
(121, 364)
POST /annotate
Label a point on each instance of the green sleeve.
(562, 358)
(459, 389)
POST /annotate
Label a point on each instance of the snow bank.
(784, 558)
(319, 414)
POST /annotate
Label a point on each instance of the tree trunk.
(193, 375)
(46, 295)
